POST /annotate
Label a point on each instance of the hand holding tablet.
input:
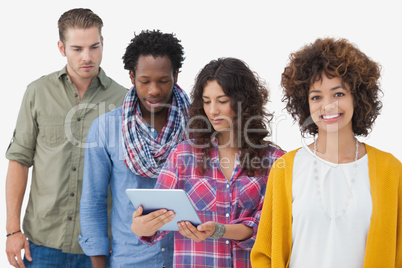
(169, 199)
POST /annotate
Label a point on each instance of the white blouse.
(331, 215)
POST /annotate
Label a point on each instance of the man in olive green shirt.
(56, 113)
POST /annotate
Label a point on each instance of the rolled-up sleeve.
(94, 238)
(23, 143)
(252, 222)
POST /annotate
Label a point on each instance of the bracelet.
(219, 231)
(7, 235)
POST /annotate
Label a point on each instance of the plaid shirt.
(238, 200)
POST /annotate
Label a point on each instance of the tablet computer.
(170, 199)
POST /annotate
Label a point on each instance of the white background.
(262, 33)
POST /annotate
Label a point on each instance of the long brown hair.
(248, 97)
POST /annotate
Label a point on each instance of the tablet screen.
(170, 199)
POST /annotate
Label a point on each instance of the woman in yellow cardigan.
(336, 202)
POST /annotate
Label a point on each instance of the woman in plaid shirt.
(223, 169)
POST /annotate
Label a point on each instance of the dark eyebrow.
(96, 44)
(335, 88)
(221, 96)
(332, 89)
(147, 77)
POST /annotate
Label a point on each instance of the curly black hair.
(156, 44)
(332, 58)
(245, 90)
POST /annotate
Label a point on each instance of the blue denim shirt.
(104, 165)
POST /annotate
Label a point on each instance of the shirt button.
(227, 185)
(163, 249)
(78, 119)
(74, 168)
(227, 242)
(227, 215)
(72, 194)
(69, 218)
(76, 95)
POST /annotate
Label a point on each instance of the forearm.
(16, 182)
(98, 261)
(238, 232)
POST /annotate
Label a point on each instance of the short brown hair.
(333, 58)
(81, 18)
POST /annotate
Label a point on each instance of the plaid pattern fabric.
(143, 154)
(238, 200)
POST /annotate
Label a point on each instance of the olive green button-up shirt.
(50, 135)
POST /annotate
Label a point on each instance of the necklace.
(318, 185)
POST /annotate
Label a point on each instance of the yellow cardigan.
(273, 244)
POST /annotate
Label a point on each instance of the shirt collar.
(214, 142)
(150, 128)
(215, 152)
(100, 78)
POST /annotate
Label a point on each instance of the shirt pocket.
(51, 130)
(202, 193)
(251, 190)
